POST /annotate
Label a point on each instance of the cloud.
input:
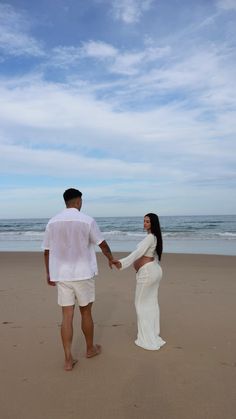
(24, 160)
(157, 117)
(37, 112)
(202, 68)
(14, 34)
(98, 49)
(67, 56)
(56, 114)
(114, 60)
(227, 4)
(33, 104)
(103, 201)
(202, 78)
(130, 63)
(130, 11)
(64, 57)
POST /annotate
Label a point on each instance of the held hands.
(115, 262)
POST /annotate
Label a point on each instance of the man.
(70, 260)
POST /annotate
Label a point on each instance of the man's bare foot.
(69, 365)
(95, 351)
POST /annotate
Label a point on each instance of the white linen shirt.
(147, 247)
(71, 237)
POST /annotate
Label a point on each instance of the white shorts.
(69, 291)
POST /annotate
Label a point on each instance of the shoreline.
(125, 253)
(183, 246)
(192, 376)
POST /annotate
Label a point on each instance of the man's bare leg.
(67, 335)
(87, 327)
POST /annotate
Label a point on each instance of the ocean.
(214, 234)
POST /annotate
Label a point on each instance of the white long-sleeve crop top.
(147, 247)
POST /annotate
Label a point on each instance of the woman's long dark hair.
(156, 230)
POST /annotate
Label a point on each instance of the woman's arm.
(136, 254)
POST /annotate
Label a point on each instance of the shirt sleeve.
(136, 254)
(46, 241)
(95, 234)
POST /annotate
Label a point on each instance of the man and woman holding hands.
(70, 260)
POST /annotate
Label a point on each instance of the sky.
(131, 101)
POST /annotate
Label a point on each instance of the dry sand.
(192, 377)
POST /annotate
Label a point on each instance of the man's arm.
(106, 251)
(46, 261)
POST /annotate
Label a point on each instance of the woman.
(148, 275)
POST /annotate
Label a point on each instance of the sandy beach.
(192, 377)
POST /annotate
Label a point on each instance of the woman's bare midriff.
(142, 261)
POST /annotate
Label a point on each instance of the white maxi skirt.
(147, 308)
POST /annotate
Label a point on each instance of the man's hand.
(107, 252)
(51, 283)
(46, 260)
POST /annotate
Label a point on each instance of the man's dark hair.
(71, 193)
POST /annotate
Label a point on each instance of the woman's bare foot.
(96, 350)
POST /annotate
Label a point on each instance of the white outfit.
(146, 295)
(70, 291)
(71, 237)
